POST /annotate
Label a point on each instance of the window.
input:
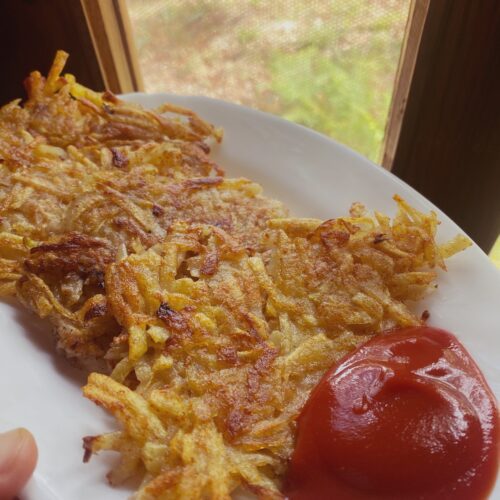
(332, 65)
(329, 65)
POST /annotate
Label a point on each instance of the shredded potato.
(239, 348)
(86, 178)
(207, 313)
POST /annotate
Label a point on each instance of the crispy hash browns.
(86, 178)
(220, 349)
(208, 314)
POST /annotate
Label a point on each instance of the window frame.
(109, 25)
(110, 28)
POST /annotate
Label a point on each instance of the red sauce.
(406, 416)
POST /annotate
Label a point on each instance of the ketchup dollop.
(406, 416)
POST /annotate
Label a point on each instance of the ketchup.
(406, 416)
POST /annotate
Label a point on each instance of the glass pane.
(327, 64)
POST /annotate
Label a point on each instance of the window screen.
(327, 64)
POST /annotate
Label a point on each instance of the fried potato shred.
(86, 178)
(207, 314)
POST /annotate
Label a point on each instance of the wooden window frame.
(110, 29)
(404, 76)
(111, 33)
(447, 144)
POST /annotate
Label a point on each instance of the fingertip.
(29, 449)
(18, 457)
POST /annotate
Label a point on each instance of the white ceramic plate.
(315, 177)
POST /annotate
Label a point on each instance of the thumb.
(18, 456)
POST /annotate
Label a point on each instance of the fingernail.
(11, 443)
